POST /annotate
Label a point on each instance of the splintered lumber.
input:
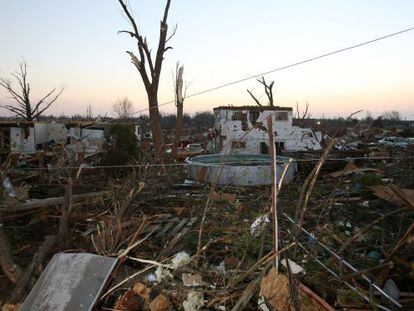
(49, 202)
(394, 194)
(251, 289)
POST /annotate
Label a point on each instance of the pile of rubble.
(162, 242)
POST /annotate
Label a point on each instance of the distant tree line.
(200, 120)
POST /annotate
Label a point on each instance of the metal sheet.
(70, 282)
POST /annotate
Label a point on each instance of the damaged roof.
(261, 108)
(23, 123)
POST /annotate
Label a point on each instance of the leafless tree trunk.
(23, 107)
(179, 102)
(268, 90)
(149, 68)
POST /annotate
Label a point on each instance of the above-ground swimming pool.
(238, 170)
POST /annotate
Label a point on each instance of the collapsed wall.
(243, 130)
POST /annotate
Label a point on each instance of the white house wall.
(228, 131)
(46, 132)
(22, 140)
(87, 141)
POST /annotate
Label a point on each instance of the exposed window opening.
(239, 116)
(253, 116)
(238, 145)
(26, 132)
(281, 116)
(264, 148)
(280, 147)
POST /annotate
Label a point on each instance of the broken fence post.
(274, 191)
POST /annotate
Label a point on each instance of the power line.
(285, 67)
(59, 168)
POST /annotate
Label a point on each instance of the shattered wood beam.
(10, 268)
(45, 203)
(401, 242)
(179, 102)
(261, 262)
(397, 190)
(250, 290)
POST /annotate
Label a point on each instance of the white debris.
(391, 289)
(152, 277)
(180, 259)
(262, 304)
(294, 267)
(194, 301)
(192, 279)
(8, 187)
(162, 273)
(221, 268)
(258, 225)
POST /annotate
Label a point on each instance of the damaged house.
(28, 137)
(243, 130)
(25, 137)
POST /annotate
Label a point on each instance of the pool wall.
(239, 170)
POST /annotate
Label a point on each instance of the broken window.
(281, 116)
(253, 116)
(264, 148)
(280, 147)
(238, 145)
(239, 116)
(26, 132)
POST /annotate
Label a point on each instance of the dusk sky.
(75, 44)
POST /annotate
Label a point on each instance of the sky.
(75, 44)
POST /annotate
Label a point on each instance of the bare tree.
(149, 68)
(179, 103)
(304, 114)
(89, 113)
(21, 95)
(268, 90)
(391, 115)
(123, 108)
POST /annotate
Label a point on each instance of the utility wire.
(285, 67)
(59, 168)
